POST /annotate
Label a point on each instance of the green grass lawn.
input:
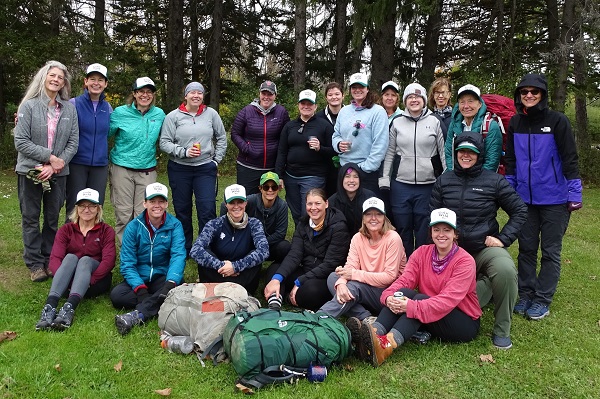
(558, 357)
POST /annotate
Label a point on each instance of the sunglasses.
(525, 92)
(270, 187)
(357, 128)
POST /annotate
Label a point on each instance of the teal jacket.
(144, 258)
(492, 143)
(135, 136)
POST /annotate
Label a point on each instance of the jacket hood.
(255, 103)
(424, 113)
(476, 139)
(532, 80)
(340, 180)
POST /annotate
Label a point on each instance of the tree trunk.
(99, 11)
(500, 38)
(194, 40)
(581, 83)
(561, 64)
(215, 55)
(300, 46)
(430, 45)
(175, 55)
(341, 41)
(383, 49)
(55, 7)
(159, 58)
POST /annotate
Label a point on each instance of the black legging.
(456, 326)
(311, 295)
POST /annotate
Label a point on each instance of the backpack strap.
(274, 375)
(215, 351)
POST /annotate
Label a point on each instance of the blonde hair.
(74, 216)
(387, 226)
(38, 83)
(439, 82)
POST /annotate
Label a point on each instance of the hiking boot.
(64, 318)
(46, 319)
(421, 337)
(522, 305)
(354, 325)
(501, 342)
(377, 347)
(126, 321)
(38, 275)
(537, 311)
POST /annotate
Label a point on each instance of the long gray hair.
(37, 86)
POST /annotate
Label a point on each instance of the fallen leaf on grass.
(119, 366)
(57, 367)
(592, 277)
(244, 389)
(348, 367)
(8, 336)
(164, 392)
(487, 358)
(567, 261)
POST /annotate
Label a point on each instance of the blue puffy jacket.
(144, 258)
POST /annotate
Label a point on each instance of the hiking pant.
(365, 303)
(123, 297)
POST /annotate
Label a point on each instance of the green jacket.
(492, 143)
(135, 136)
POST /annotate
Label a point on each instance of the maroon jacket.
(256, 134)
(99, 244)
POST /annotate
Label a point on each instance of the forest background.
(232, 45)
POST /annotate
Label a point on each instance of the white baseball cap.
(443, 215)
(392, 84)
(98, 68)
(469, 89)
(88, 194)
(235, 191)
(308, 95)
(374, 202)
(359, 78)
(156, 189)
(144, 82)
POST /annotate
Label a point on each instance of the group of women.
(365, 148)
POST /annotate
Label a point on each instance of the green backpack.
(257, 341)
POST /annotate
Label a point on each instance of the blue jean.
(199, 181)
(545, 226)
(295, 193)
(410, 206)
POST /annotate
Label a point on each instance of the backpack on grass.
(202, 310)
(261, 341)
(499, 109)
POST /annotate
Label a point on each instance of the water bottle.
(178, 344)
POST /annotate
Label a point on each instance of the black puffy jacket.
(317, 255)
(476, 194)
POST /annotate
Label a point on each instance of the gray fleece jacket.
(31, 134)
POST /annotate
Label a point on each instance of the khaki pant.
(127, 194)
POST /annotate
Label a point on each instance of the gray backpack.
(202, 310)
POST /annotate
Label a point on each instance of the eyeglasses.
(357, 125)
(301, 129)
(145, 92)
(91, 207)
(440, 93)
(270, 187)
(534, 92)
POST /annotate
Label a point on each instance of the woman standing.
(319, 245)
(46, 138)
(83, 256)
(255, 132)
(136, 127)
(375, 259)
(390, 99)
(415, 157)
(334, 95)
(469, 115)
(194, 137)
(89, 166)
(361, 132)
(350, 196)
(304, 154)
(542, 166)
(446, 302)
(440, 94)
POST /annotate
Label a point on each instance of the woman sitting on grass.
(82, 257)
(375, 259)
(446, 302)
